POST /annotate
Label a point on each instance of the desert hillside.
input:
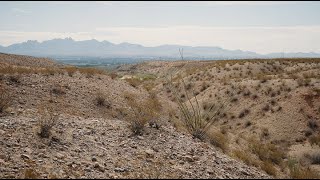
(264, 112)
(66, 122)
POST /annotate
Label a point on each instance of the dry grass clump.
(5, 98)
(71, 70)
(90, 72)
(269, 168)
(245, 157)
(15, 78)
(101, 101)
(49, 118)
(58, 89)
(299, 172)
(140, 113)
(312, 124)
(267, 151)
(219, 140)
(134, 82)
(243, 113)
(315, 139)
(313, 157)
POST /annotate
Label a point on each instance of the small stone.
(189, 158)
(93, 159)
(99, 167)
(2, 132)
(59, 156)
(150, 153)
(2, 161)
(196, 158)
(140, 138)
(118, 169)
(28, 150)
(25, 156)
(210, 171)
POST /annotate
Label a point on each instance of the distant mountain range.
(105, 49)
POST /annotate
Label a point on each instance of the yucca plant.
(196, 121)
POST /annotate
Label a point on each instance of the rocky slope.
(88, 141)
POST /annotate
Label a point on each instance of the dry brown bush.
(5, 98)
(140, 113)
(49, 118)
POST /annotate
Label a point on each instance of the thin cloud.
(19, 10)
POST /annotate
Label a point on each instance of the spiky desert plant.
(196, 121)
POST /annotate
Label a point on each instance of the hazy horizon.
(261, 27)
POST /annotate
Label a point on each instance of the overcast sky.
(262, 27)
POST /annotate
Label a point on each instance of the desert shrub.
(247, 124)
(299, 172)
(15, 78)
(269, 168)
(101, 101)
(58, 89)
(154, 101)
(244, 113)
(308, 133)
(254, 96)
(266, 107)
(204, 86)
(71, 70)
(234, 99)
(314, 140)
(267, 151)
(90, 72)
(314, 157)
(246, 93)
(134, 82)
(245, 157)
(140, 113)
(219, 140)
(31, 173)
(303, 82)
(49, 118)
(264, 133)
(5, 98)
(312, 124)
(113, 75)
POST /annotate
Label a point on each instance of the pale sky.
(262, 27)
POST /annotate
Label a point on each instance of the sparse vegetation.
(219, 140)
(5, 98)
(140, 113)
(49, 118)
(269, 168)
(299, 172)
(245, 157)
(58, 89)
(315, 139)
(267, 151)
(101, 101)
